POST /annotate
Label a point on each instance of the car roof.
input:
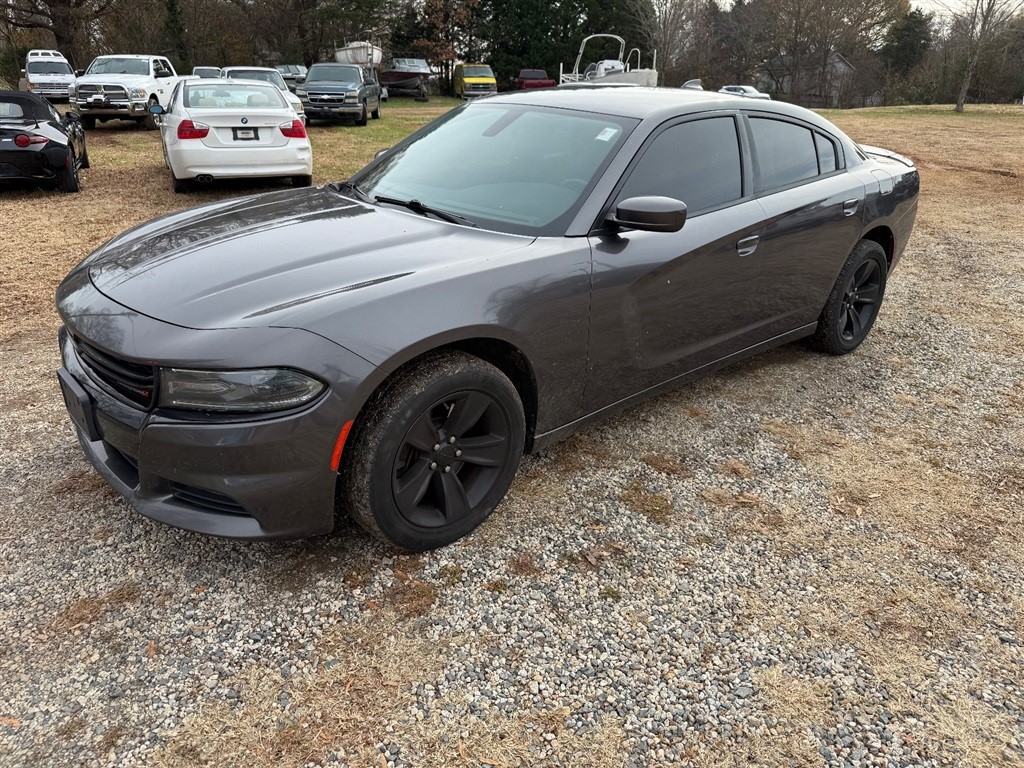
(244, 66)
(642, 102)
(35, 106)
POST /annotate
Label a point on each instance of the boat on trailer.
(617, 70)
(406, 76)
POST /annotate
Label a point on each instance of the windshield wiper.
(348, 186)
(417, 207)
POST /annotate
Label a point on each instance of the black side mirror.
(300, 80)
(650, 214)
(73, 117)
(79, 72)
(163, 73)
(156, 109)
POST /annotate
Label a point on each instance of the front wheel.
(853, 304)
(361, 120)
(149, 121)
(434, 452)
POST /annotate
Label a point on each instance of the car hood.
(281, 259)
(330, 86)
(131, 81)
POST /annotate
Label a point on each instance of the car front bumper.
(250, 477)
(336, 111)
(108, 108)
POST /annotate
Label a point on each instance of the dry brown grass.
(654, 506)
(86, 610)
(667, 465)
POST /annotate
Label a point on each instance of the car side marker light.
(340, 446)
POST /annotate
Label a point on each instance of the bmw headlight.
(139, 93)
(259, 390)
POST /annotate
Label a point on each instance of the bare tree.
(69, 21)
(978, 23)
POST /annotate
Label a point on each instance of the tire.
(302, 181)
(149, 121)
(376, 113)
(854, 302)
(361, 120)
(67, 179)
(85, 159)
(394, 480)
(89, 122)
(180, 186)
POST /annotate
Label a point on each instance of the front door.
(666, 303)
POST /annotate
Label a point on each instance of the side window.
(785, 152)
(173, 101)
(165, 64)
(697, 162)
(826, 154)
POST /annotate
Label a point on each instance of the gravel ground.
(801, 561)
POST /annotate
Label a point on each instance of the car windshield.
(116, 65)
(477, 71)
(48, 68)
(228, 95)
(271, 76)
(507, 167)
(335, 73)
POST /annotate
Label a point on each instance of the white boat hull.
(366, 54)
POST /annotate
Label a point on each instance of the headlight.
(300, 92)
(72, 90)
(352, 96)
(260, 390)
(138, 93)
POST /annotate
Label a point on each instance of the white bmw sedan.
(230, 129)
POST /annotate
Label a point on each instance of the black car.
(514, 270)
(38, 144)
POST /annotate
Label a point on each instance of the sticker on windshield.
(607, 134)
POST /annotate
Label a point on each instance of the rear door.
(812, 209)
(666, 303)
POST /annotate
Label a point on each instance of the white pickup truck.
(123, 87)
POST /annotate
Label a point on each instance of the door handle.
(850, 207)
(747, 245)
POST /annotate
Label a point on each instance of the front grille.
(327, 98)
(208, 500)
(134, 381)
(109, 91)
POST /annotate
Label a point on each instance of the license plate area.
(245, 134)
(79, 404)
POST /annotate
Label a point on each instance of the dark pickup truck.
(532, 78)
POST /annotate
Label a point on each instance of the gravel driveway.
(800, 561)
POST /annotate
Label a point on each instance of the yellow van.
(471, 80)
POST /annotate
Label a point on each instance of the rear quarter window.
(786, 153)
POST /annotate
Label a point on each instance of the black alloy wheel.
(434, 452)
(67, 177)
(860, 300)
(450, 459)
(856, 298)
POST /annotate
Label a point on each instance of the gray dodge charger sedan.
(388, 347)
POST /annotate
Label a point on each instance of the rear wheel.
(855, 300)
(376, 113)
(180, 186)
(434, 452)
(67, 179)
(85, 158)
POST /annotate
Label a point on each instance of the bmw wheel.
(434, 453)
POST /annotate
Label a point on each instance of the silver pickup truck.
(123, 87)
